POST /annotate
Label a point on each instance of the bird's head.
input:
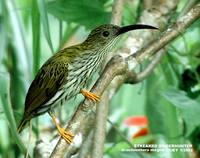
(105, 34)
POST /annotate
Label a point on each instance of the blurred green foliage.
(80, 11)
(30, 31)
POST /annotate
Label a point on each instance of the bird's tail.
(22, 124)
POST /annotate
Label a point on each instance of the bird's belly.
(58, 99)
(68, 91)
(76, 80)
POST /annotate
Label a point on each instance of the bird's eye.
(106, 34)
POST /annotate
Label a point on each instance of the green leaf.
(158, 110)
(189, 109)
(162, 116)
(36, 36)
(3, 36)
(16, 54)
(84, 12)
(18, 37)
(130, 13)
(7, 108)
(45, 22)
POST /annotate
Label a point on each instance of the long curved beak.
(134, 27)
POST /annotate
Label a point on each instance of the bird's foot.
(67, 136)
(90, 96)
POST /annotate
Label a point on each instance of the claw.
(90, 96)
(67, 136)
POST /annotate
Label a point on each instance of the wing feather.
(50, 78)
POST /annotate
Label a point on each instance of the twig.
(120, 134)
(132, 78)
(123, 137)
(81, 119)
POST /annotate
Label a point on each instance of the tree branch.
(133, 78)
(100, 126)
(81, 119)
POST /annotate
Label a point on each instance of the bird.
(67, 72)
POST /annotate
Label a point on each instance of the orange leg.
(90, 96)
(64, 134)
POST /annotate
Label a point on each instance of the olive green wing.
(49, 80)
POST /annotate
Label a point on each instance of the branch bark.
(85, 150)
(133, 78)
(81, 119)
(100, 127)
